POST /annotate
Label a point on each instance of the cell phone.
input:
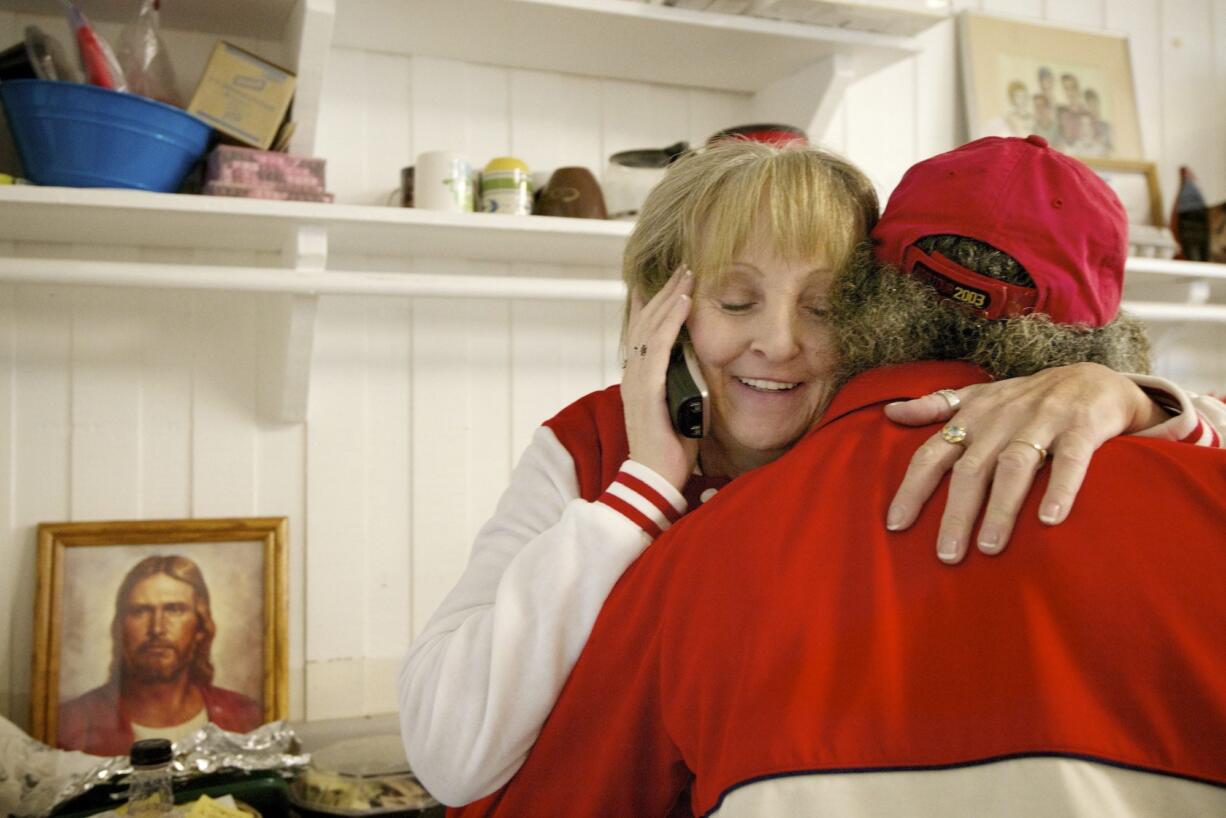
(686, 393)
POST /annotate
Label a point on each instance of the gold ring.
(1042, 452)
(951, 397)
(954, 434)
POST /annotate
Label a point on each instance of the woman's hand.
(651, 332)
(1069, 411)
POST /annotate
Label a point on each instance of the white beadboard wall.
(132, 404)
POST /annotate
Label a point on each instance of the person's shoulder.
(81, 717)
(104, 696)
(597, 416)
(591, 410)
(232, 710)
(592, 430)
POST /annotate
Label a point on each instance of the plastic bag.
(144, 59)
(97, 60)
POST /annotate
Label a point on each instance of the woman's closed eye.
(736, 306)
(742, 305)
(736, 298)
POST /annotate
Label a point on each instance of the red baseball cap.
(1047, 210)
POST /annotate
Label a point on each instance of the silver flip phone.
(687, 393)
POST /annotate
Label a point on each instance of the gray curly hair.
(884, 317)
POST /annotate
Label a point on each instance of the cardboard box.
(243, 96)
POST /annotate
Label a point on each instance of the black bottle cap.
(151, 752)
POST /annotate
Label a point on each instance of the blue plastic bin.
(76, 135)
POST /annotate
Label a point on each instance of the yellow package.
(243, 96)
(206, 807)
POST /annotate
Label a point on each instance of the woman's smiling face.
(767, 351)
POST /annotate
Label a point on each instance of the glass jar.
(150, 790)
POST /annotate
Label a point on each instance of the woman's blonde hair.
(708, 207)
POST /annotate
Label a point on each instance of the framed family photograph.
(151, 629)
(1136, 183)
(1073, 88)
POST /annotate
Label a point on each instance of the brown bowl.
(572, 192)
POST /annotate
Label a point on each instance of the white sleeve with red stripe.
(483, 675)
(645, 498)
(1201, 419)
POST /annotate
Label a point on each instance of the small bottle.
(1190, 219)
(150, 791)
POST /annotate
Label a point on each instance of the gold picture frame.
(1136, 183)
(106, 645)
(1074, 88)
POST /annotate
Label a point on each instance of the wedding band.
(954, 434)
(951, 397)
(1042, 452)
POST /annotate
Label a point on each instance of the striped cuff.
(1186, 426)
(644, 498)
(1203, 435)
(1189, 424)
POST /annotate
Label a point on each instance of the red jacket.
(97, 722)
(780, 653)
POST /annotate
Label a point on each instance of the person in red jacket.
(161, 681)
(780, 654)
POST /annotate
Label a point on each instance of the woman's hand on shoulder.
(650, 334)
(1010, 428)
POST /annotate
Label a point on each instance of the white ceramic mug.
(443, 180)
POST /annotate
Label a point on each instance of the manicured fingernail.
(989, 542)
(896, 403)
(1050, 513)
(688, 273)
(947, 549)
(894, 518)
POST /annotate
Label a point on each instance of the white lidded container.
(631, 175)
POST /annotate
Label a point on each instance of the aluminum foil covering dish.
(210, 749)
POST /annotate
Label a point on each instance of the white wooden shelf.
(139, 219)
(1150, 269)
(795, 72)
(297, 247)
(131, 218)
(617, 39)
